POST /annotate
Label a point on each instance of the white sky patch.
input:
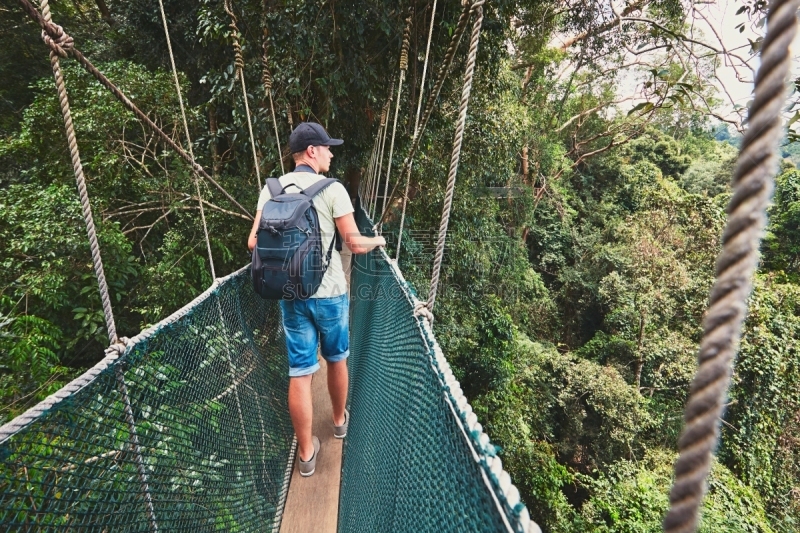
(715, 23)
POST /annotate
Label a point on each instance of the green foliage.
(711, 174)
(782, 241)
(632, 497)
(761, 433)
(558, 411)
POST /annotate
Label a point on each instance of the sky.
(717, 26)
(723, 20)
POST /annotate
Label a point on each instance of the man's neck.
(306, 163)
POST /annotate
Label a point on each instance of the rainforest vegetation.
(570, 307)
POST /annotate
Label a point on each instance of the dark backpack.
(288, 260)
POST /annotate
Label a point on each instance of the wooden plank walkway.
(313, 502)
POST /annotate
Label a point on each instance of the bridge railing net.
(415, 459)
(207, 395)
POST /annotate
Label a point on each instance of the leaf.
(644, 107)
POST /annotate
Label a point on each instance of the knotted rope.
(377, 180)
(421, 310)
(373, 169)
(60, 43)
(403, 69)
(53, 32)
(457, 141)
(188, 139)
(266, 80)
(364, 184)
(437, 88)
(239, 62)
(752, 189)
(416, 130)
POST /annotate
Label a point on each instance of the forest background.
(570, 307)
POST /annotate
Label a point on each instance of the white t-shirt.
(332, 203)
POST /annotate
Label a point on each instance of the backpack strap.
(311, 192)
(318, 187)
(274, 186)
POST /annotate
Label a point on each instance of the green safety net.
(415, 458)
(207, 395)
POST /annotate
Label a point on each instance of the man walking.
(322, 321)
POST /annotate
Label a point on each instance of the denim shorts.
(323, 322)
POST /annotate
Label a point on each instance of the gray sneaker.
(340, 432)
(307, 467)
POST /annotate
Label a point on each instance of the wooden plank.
(502, 192)
(313, 502)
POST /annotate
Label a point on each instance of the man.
(324, 318)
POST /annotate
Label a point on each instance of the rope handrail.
(63, 45)
(753, 182)
(113, 353)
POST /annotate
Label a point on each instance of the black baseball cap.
(310, 134)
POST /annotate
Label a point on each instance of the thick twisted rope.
(366, 182)
(416, 129)
(53, 32)
(403, 69)
(752, 189)
(188, 139)
(437, 88)
(266, 80)
(377, 179)
(457, 141)
(60, 43)
(239, 62)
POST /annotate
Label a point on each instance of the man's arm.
(357, 243)
(251, 241)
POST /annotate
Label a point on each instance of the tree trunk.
(640, 353)
(105, 14)
(525, 164)
(212, 126)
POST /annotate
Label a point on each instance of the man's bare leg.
(337, 388)
(301, 411)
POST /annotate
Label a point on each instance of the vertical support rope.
(235, 384)
(753, 182)
(239, 61)
(77, 167)
(377, 181)
(65, 43)
(266, 79)
(416, 131)
(437, 87)
(457, 141)
(364, 184)
(403, 69)
(134, 438)
(188, 140)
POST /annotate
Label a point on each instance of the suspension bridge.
(185, 426)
